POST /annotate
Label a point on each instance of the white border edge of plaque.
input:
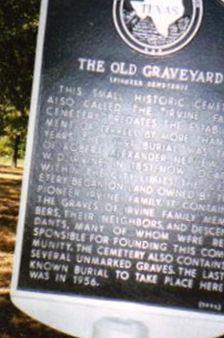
(59, 311)
(78, 315)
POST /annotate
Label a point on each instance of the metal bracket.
(116, 328)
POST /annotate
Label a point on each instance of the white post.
(116, 328)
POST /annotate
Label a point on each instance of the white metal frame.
(78, 315)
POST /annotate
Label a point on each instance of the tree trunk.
(15, 151)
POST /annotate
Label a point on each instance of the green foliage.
(5, 147)
(18, 27)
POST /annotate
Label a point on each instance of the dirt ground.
(13, 323)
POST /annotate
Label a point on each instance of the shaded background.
(18, 30)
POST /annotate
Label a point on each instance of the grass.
(7, 161)
(13, 323)
(10, 182)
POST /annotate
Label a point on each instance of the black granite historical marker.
(125, 193)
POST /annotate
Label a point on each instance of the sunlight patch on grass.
(5, 272)
(7, 240)
(9, 176)
(7, 161)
